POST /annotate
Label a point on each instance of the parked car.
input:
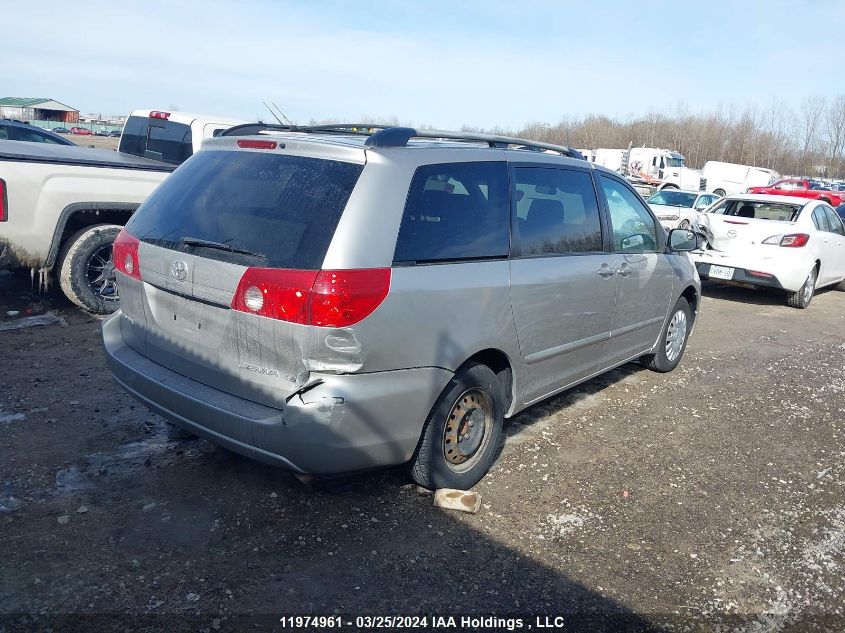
(18, 131)
(60, 209)
(779, 242)
(841, 211)
(61, 130)
(677, 209)
(803, 189)
(82, 131)
(729, 178)
(329, 302)
(102, 133)
(169, 136)
(115, 133)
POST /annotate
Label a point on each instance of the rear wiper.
(220, 246)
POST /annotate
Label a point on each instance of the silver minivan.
(337, 298)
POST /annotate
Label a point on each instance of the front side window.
(819, 220)
(634, 228)
(455, 211)
(557, 212)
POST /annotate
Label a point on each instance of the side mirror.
(684, 240)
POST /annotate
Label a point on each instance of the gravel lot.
(710, 496)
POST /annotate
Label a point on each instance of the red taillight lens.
(343, 297)
(276, 293)
(328, 298)
(125, 255)
(257, 144)
(795, 240)
(159, 115)
(4, 202)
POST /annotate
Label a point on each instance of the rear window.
(157, 138)
(283, 209)
(455, 211)
(759, 210)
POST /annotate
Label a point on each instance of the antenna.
(273, 113)
(282, 113)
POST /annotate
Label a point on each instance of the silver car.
(331, 299)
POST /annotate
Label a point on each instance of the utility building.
(36, 109)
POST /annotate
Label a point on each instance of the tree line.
(807, 141)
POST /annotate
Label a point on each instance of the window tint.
(4, 135)
(21, 134)
(557, 211)
(284, 207)
(634, 229)
(157, 138)
(455, 211)
(833, 221)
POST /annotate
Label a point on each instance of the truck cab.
(666, 166)
(171, 137)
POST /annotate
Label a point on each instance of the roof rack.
(394, 136)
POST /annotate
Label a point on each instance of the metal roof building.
(36, 108)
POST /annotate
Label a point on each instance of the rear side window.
(455, 211)
(282, 209)
(557, 212)
(157, 138)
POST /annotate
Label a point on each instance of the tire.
(431, 466)
(684, 224)
(86, 273)
(673, 340)
(720, 192)
(802, 297)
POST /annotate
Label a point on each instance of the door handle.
(605, 271)
(624, 270)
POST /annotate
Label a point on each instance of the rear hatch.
(738, 225)
(220, 214)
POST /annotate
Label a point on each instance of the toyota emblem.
(179, 269)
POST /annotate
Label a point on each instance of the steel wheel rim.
(676, 335)
(809, 286)
(102, 279)
(466, 431)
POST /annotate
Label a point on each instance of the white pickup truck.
(61, 208)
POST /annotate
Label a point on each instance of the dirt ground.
(102, 142)
(711, 498)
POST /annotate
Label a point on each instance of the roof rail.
(394, 136)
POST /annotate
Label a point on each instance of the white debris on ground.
(48, 318)
(558, 526)
(6, 418)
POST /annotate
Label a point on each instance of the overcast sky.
(443, 63)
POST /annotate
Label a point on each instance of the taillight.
(793, 240)
(159, 115)
(125, 254)
(257, 144)
(343, 297)
(276, 293)
(4, 202)
(328, 298)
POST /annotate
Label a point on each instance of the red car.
(82, 131)
(803, 189)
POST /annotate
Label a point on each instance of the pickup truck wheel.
(673, 340)
(86, 271)
(801, 298)
(462, 435)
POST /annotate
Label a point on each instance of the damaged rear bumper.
(346, 422)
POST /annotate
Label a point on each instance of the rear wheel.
(672, 342)
(462, 435)
(801, 298)
(86, 270)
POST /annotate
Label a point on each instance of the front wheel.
(801, 298)
(720, 192)
(673, 340)
(86, 270)
(462, 434)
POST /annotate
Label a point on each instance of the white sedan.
(676, 208)
(779, 242)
